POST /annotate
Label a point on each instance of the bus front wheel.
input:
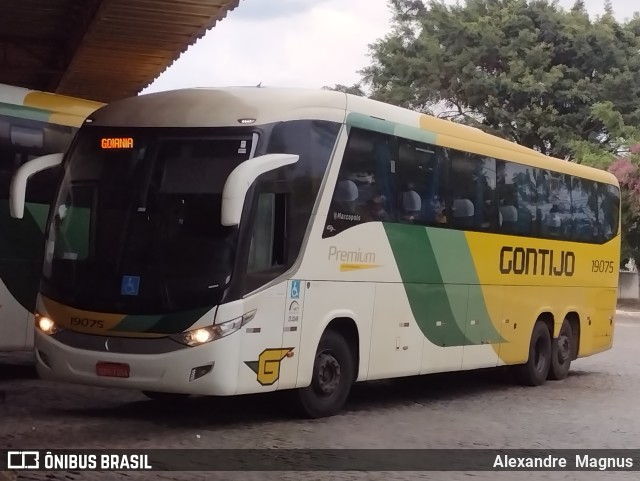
(536, 369)
(561, 353)
(332, 378)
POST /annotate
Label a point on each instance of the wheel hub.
(328, 376)
(564, 349)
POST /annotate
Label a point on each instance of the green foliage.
(528, 70)
(355, 89)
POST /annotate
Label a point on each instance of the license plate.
(112, 369)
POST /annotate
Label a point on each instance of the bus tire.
(165, 397)
(534, 372)
(332, 378)
(561, 352)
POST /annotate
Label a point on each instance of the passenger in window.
(439, 209)
(376, 211)
(553, 220)
(410, 205)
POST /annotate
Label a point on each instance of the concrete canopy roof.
(99, 50)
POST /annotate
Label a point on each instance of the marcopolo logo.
(536, 262)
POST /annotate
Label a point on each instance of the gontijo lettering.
(536, 262)
(116, 143)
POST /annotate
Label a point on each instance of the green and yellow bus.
(244, 240)
(32, 124)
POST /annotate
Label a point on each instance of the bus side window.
(421, 184)
(608, 211)
(365, 190)
(516, 198)
(554, 204)
(473, 187)
(584, 208)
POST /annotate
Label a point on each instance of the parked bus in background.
(245, 240)
(31, 124)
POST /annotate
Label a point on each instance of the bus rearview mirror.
(240, 180)
(18, 189)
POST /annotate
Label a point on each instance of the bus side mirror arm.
(18, 188)
(240, 180)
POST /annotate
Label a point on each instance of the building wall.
(629, 286)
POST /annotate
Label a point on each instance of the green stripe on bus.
(172, 323)
(178, 321)
(21, 112)
(457, 267)
(136, 323)
(415, 133)
(367, 122)
(428, 297)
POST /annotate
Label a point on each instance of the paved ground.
(596, 407)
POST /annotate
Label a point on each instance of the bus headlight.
(203, 335)
(46, 325)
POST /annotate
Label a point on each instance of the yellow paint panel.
(356, 267)
(540, 284)
(65, 110)
(521, 261)
(96, 322)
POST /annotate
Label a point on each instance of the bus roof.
(45, 107)
(218, 107)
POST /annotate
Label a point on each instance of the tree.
(355, 89)
(526, 70)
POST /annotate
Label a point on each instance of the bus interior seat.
(346, 196)
(509, 215)
(346, 191)
(463, 212)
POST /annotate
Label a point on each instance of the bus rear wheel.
(535, 371)
(561, 352)
(332, 378)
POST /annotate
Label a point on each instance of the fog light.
(198, 372)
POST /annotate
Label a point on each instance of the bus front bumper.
(175, 372)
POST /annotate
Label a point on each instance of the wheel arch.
(344, 322)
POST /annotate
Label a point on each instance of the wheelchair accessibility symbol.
(130, 285)
(295, 289)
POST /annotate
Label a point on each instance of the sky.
(297, 43)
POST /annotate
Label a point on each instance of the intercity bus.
(245, 240)
(32, 124)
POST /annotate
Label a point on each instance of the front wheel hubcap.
(328, 374)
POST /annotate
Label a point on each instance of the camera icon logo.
(23, 460)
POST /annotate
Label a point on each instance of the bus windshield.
(136, 224)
